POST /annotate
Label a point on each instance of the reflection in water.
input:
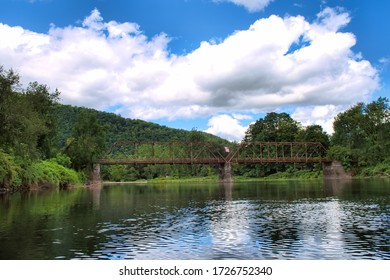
(269, 220)
(96, 191)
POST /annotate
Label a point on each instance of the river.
(252, 220)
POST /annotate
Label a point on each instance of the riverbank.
(49, 174)
(21, 174)
(373, 172)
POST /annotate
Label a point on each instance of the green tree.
(349, 127)
(364, 130)
(9, 80)
(43, 102)
(314, 133)
(25, 116)
(87, 142)
(274, 127)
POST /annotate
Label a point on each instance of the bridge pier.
(95, 175)
(334, 170)
(225, 172)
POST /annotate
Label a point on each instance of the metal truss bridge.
(129, 152)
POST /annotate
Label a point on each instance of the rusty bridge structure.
(129, 152)
(132, 153)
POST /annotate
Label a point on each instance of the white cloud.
(250, 5)
(242, 117)
(276, 62)
(319, 115)
(228, 127)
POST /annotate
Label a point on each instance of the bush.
(50, 172)
(381, 169)
(10, 172)
(296, 174)
(342, 154)
(14, 174)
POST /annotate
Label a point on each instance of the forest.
(45, 143)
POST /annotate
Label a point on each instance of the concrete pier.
(225, 173)
(334, 170)
(95, 175)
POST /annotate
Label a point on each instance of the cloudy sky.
(213, 65)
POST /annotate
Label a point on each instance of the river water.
(251, 220)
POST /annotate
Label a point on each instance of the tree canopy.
(361, 134)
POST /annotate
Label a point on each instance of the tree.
(365, 131)
(349, 127)
(275, 127)
(9, 80)
(42, 102)
(26, 117)
(314, 133)
(87, 142)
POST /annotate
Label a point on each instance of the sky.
(211, 65)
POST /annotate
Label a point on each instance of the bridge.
(131, 152)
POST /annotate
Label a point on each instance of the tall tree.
(313, 133)
(363, 132)
(42, 102)
(275, 127)
(9, 80)
(25, 116)
(87, 142)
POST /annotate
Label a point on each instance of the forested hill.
(123, 129)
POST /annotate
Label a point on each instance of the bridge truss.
(129, 152)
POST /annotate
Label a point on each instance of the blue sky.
(214, 65)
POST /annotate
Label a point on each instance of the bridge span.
(175, 152)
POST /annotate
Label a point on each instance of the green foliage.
(63, 160)
(313, 133)
(361, 135)
(275, 127)
(16, 173)
(279, 127)
(35, 127)
(87, 142)
(50, 172)
(296, 174)
(342, 154)
(381, 169)
(9, 172)
(122, 173)
(42, 102)
(25, 116)
(118, 129)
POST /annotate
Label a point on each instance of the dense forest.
(43, 142)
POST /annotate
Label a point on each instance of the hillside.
(122, 129)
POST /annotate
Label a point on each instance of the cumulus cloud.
(319, 115)
(228, 127)
(276, 62)
(250, 5)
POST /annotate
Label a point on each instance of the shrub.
(10, 172)
(342, 154)
(50, 172)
